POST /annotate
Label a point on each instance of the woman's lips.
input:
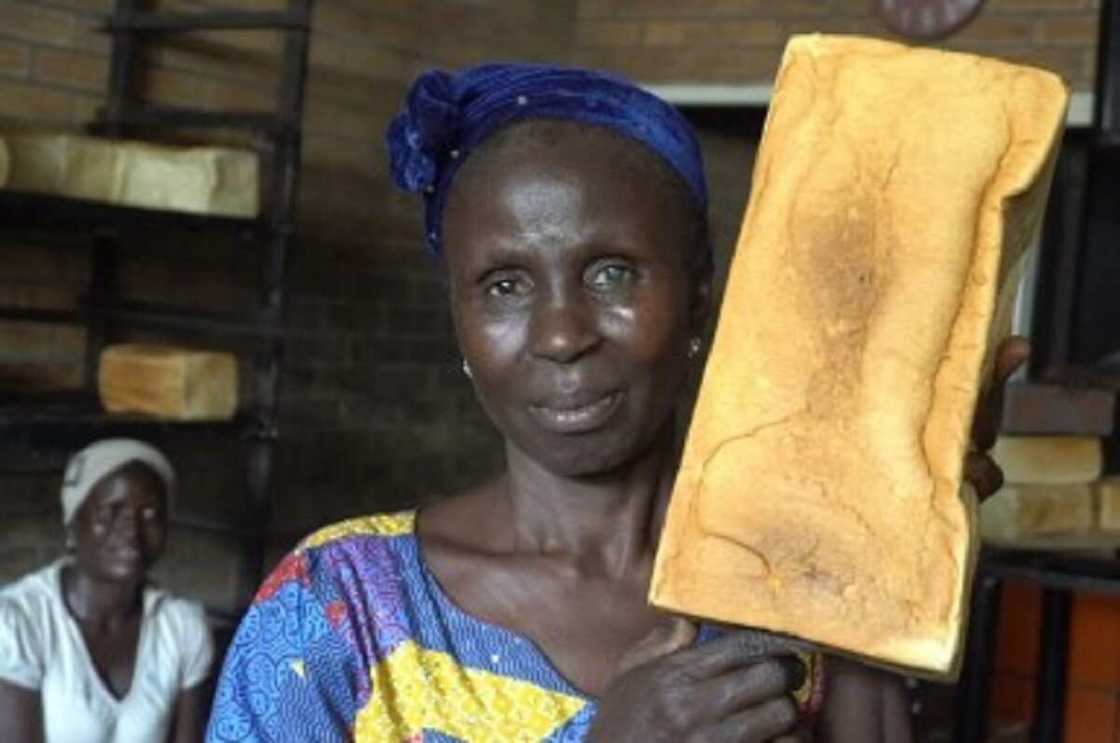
(124, 554)
(573, 418)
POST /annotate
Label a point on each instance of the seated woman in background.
(90, 652)
(570, 208)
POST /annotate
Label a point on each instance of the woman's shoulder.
(175, 610)
(28, 614)
(374, 548)
(32, 594)
(374, 526)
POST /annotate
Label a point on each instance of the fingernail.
(797, 672)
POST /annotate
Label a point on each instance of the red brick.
(833, 24)
(29, 102)
(368, 62)
(335, 86)
(1090, 716)
(392, 8)
(365, 21)
(15, 59)
(609, 33)
(40, 376)
(1018, 6)
(695, 64)
(1012, 698)
(87, 108)
(1074, 64)
(1020, 622)
(1094, 658)
(87, 6)
(855, 8)
(176, 87)
(596, 8)
(322, 117)
(1080, 29)
(25, 20)
(359, 154)
(89, 39)
(720, 8)
(71, 69)
(186, 89)
(997, 29)
(715, 32)
(253, 56)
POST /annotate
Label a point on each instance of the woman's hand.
(980, 469)
(21, 714)
(724, 690)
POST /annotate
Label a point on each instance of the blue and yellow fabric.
(351, 638)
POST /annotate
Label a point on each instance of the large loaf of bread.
(820, 492)
(221, 181)
(175, 383)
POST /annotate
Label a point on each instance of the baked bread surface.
(820, 491)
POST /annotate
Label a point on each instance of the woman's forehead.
(132, 479)
(538, 137)
(563, 160)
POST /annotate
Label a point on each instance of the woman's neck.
(100, 603)
(604, 523)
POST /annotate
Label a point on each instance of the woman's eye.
(507, 288)
(612, 276)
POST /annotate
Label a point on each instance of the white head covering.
(86, 468)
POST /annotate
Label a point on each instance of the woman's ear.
(700, 303)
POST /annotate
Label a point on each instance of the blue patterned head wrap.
(446, 116)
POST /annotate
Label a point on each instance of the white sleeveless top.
(41, 647)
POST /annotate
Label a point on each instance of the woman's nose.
(127, 524)
(563, 329)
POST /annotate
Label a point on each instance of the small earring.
(694, 344)
(467, 369)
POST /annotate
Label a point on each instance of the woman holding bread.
(90, 652)
(569, 209)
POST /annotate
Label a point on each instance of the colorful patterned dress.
(351, 638)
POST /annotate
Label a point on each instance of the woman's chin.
(587, 457)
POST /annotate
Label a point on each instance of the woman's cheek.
(649, 328)
(496, 341)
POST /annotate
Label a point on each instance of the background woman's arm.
(863, 705)
(21, 714)
(189, 724)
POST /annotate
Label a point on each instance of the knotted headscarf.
(446, 116)
(89, 466)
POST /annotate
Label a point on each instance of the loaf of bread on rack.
(820, 492)
(169, 382)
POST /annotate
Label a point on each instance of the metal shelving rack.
(1058, 575)
(43, 430)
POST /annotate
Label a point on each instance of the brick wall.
(740, 41)
(374, 411)
(1092, 712)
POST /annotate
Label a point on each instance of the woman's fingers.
(685, 694)
(984, 474)
(749, 686)
(1012, 354)
(731, 652)
(674, 634)
(759, 724)
(979, 469)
